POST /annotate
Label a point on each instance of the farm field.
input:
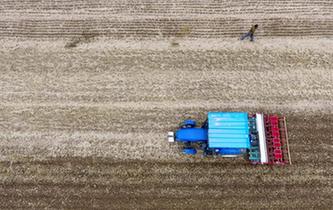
(89, 90)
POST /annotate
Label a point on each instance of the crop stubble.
(84, 127)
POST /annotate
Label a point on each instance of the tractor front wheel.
(189, 151)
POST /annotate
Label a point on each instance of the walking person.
(250, 33)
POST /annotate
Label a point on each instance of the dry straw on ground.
(83, 118)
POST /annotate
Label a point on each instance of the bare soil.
(84, 114)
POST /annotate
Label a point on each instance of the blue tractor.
(223, 133)
(260, 138)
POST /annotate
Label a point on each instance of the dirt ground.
(84, 113)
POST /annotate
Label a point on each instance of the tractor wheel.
(189, 151)
(189, 124)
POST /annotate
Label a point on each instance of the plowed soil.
(88, 93)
